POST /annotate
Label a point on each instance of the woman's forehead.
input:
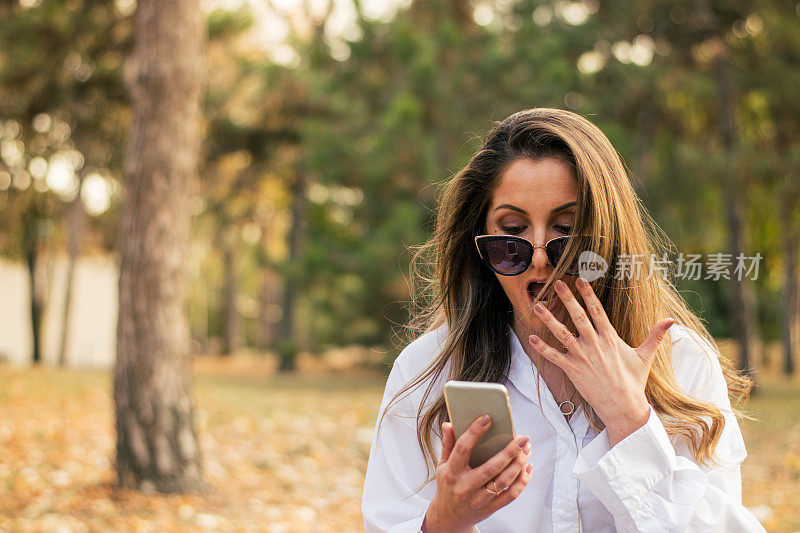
(536, 185)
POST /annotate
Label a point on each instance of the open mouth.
(534, 288)
(535, 291)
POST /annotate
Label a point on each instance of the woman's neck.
(551, 373)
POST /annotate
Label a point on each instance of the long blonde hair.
(452, 287)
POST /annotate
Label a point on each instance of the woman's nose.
(539, 260)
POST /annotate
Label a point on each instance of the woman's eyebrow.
(562, 207)
(512, 207)
(519, 210)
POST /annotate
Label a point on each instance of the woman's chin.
(530, 320)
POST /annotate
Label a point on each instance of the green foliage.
(375, 133)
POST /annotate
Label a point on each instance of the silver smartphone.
(468, 400)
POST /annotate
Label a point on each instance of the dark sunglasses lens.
(508, 256)
(558, 247)
(555, 251)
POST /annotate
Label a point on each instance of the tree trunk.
(156, 439)
(790, 323)
(37, 305)
(287, 345)
(30, 239)
(742, 309)
(646, 125)
(231, 331)
(269, 295)
(76, 220)
(743, 319)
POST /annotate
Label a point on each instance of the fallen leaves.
(280, 453)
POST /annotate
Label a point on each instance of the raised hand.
(606, 371)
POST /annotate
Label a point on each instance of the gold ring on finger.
(574, 340)
(495, 491)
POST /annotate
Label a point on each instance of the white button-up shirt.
(647, 482)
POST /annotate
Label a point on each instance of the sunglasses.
(508, 255)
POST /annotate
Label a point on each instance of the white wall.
(92, 339)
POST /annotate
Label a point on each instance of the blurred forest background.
(327, 129)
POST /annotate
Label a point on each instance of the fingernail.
(529, 469)
(533, 339)
(527, 448)
(485, 420)
(580, 282)
(522, 441)
(539, 308)
(560, 285)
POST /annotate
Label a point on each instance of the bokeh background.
(328, 128)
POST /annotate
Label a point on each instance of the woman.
(617, 430)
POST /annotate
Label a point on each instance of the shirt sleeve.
(648, 486)
(396, 468)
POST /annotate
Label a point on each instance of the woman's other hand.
(608, 373)
(462, 499)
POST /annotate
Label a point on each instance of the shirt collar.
(524, 376)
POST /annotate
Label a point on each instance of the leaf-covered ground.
(280, 453)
